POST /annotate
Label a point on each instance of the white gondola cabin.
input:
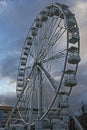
(38, 23)
(69, 78)
(23, 60)
(73, 30)
(74, 57)
(53, 11)
(63, 101)
(29, 41)
(71, 22)
(44, 15)
(34, 31)
(20, 85)
(25, 53)
(74, 38)
(64, 104)
(21, 72)
(26, 48)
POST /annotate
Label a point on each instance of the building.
(5, 113)
(6, 110)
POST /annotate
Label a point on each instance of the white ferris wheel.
(48, 64)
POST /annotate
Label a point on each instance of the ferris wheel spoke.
(54, 57)
(31, 54)
(61, 34)
(44, 36)
(47, 33)
(49, 77)
(26, 96)
(57, 36)
(32, 94)
(39, 93)
(55, 29)
(53, 43)
(50, 26)
(51, 29)
(24, 102)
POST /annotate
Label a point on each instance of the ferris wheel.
(48, 63)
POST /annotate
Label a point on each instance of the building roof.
(6, 107)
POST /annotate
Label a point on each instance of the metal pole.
(39, 93)
(76, 121)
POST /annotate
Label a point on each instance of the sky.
(16, 17)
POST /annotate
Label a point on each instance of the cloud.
(6, 87)
(3, 6)
(81, 6)
(3, 2)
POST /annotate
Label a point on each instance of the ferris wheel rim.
(65, 58)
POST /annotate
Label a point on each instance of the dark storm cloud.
(9, 99)
(10, 60)
(9, 67)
